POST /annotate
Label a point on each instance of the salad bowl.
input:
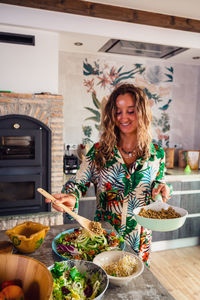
(30, 274)
(113, 257)
(82, 280)
(161, 225)
(75, 244)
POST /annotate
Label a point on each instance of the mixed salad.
(80, 245)
(69, 283)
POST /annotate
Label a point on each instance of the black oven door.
(19, 194)
(20, 147)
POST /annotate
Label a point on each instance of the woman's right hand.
(66, 199)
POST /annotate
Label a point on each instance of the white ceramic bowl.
(108, 257)
(161, 224)
(90, 269)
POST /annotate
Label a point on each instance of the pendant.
(130, 154)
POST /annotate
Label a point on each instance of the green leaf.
(120, 69)
(92, 118)
(170, 69)
(97, 126)
(95, 112)
(58, 269)
(96, 101)
(102, 198)
(131, 223)
(136, 178)
(127, 185)
(74, 273)
(110, 162)
(170, 77)
(138, 65)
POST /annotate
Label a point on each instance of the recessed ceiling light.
(78, 44)
(196, 57)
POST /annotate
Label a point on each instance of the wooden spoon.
(85, 223)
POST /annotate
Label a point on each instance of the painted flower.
(103, 81)
(145, 256)
(111, 195)
(108, 186)
(16, 241)
(96, 146)
(89, 84)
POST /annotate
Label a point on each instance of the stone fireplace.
(47, 109)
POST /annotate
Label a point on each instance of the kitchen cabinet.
(186, 194)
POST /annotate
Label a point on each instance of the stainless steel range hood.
(141, 49)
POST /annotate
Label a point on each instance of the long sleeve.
(78, 185)
(160, 176)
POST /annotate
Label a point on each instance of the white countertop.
(175, 174)
(178, 174)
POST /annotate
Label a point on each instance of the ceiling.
(93, 43)
(182, 8)
(94, 33)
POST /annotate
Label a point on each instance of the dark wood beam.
(103, 11)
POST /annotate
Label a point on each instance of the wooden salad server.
(85, 223)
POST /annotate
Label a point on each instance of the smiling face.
(126, 116)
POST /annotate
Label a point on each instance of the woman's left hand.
(163, 189)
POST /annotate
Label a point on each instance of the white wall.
(197, 119)
(184, 113)
(29, 69)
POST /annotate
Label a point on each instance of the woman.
(124, 167)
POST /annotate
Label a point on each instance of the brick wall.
(48, 109)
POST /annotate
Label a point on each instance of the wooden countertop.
(142, 287)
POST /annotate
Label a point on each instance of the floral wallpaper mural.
(100, 78)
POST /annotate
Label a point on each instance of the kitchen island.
(146, 286)
(186, 194)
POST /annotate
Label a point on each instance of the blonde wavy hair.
(110, 134)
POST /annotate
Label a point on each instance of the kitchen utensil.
(70, 162)
(169, 158)
(85, 223)
(27, 237)
(193, 159)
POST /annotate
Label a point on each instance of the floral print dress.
(119, 191)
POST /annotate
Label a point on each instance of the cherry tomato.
(10, 282)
